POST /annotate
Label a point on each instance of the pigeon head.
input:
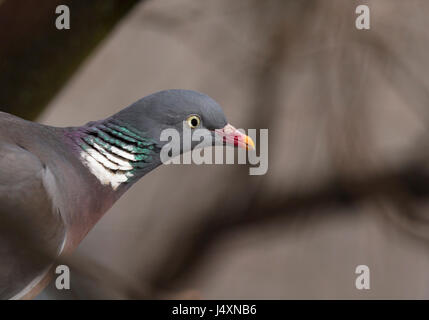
(183, 110)
(128, 145)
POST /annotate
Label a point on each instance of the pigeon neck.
(116, 154)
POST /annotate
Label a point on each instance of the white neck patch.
(107, 167)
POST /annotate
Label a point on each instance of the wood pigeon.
(56, 183)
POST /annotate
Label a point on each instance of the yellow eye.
(193, 121)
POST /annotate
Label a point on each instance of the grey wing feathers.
(31, 227)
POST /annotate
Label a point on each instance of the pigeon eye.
(193, 121)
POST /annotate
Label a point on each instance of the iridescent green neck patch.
(114, 152)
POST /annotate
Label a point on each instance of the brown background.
(347, 180)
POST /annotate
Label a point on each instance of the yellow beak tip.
(250, 144)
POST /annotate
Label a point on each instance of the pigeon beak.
(231, 136)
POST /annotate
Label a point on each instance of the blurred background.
(348, 117)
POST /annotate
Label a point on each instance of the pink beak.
(231, 136)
